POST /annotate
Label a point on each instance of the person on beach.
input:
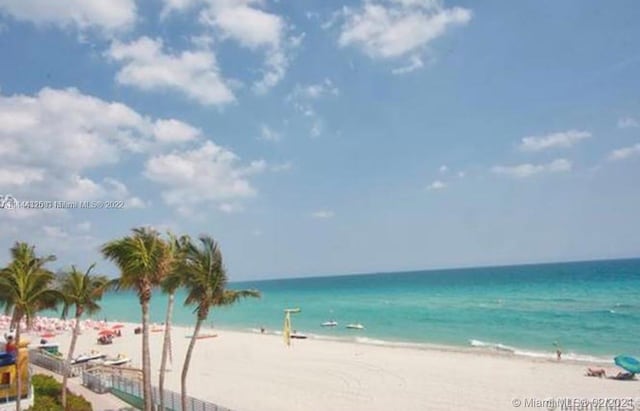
(11, 347)
(596, 372)
(558, 350)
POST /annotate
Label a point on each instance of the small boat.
(119, 360)
(356, 326)
(82, 358)
(331, 323)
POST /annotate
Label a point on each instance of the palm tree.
(205, 279)
(25, 288)
(169, 286)
(144, 259)
(82, 291)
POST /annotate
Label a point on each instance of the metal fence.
(55, 364)
(131, 391)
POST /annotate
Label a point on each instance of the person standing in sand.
(558, 351)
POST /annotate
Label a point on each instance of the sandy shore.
(250, 372)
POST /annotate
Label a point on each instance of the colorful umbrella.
(105, 332)
(115, 327)
(628, 363)
(47, 335)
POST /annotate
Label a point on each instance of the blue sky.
(321, 137)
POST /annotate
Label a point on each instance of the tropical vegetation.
(47, 396)
(204, 277)
(144, 259)
(26, 287)
(82, 291)
(147, 261)
(169, 286)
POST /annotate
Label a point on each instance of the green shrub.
(78, 403)
(45, 403)
(46, 385)
(48, 393)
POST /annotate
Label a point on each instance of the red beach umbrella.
(105, 332)
(47, 335)
(115, 327)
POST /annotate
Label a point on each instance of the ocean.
(589, 309)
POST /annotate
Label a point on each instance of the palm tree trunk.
(13, 320)
(146, 359)
(165, 348)
(187, 360)
(67, 364)
(18, 367)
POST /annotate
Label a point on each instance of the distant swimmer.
(558, 351)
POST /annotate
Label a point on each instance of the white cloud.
(323, 214)
(176, 6)
(397, 29)
(528, 170)
(135, 202)
(268, 134)
(443, 169)
(313, 91)
(461, 174)
(437, 185)
(247, 23)
(174, 131)
(147, 66)
(625, 152)
(52, 139)
(564, 139)
(208, 174)
(415, 63)
(628, 122)
(230, 208)
(20, 176)
(251, 27)
(303, 97)
(107, 16)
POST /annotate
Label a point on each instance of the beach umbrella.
(105, 332)
(628, 363)
(115, 327)
(47, 335)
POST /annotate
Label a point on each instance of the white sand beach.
(250, 372)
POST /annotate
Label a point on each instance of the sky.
(318, 137)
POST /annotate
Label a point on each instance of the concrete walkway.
(100, 402)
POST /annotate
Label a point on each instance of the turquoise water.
(589, 308)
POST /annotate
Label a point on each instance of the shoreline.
(485, 348)
(247, 371)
